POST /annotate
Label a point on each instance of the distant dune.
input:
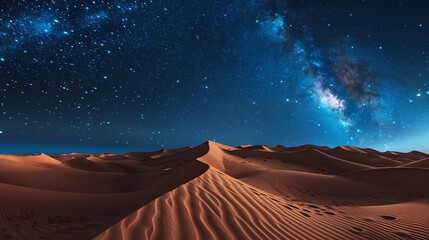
(214, 191)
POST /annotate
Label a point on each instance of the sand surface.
(214, 191)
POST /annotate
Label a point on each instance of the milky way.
(140, 75)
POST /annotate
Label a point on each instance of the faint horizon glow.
(417, 141)
(406, 145)
(66, 149)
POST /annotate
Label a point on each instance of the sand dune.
(82, 195)
(214, 191)
(422, 163)
(216, 206)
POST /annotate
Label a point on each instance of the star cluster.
(139, 75)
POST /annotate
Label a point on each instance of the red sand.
(215, 191)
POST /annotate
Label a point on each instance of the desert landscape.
(317, 112)
(214, 191)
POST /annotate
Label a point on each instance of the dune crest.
(214, 191)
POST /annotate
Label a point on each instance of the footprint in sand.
(356, 230)
(290, 205)
(289, 208)
(388, 217)
(329, 213)
(369, 219)
(402, 234)
(305, 214)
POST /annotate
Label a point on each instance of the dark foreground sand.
(215, 191)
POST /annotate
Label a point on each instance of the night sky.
(119, 75)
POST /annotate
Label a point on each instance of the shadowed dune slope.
(79, 196)
(422, 163)
(214, 191)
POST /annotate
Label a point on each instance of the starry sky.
(121, 75)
